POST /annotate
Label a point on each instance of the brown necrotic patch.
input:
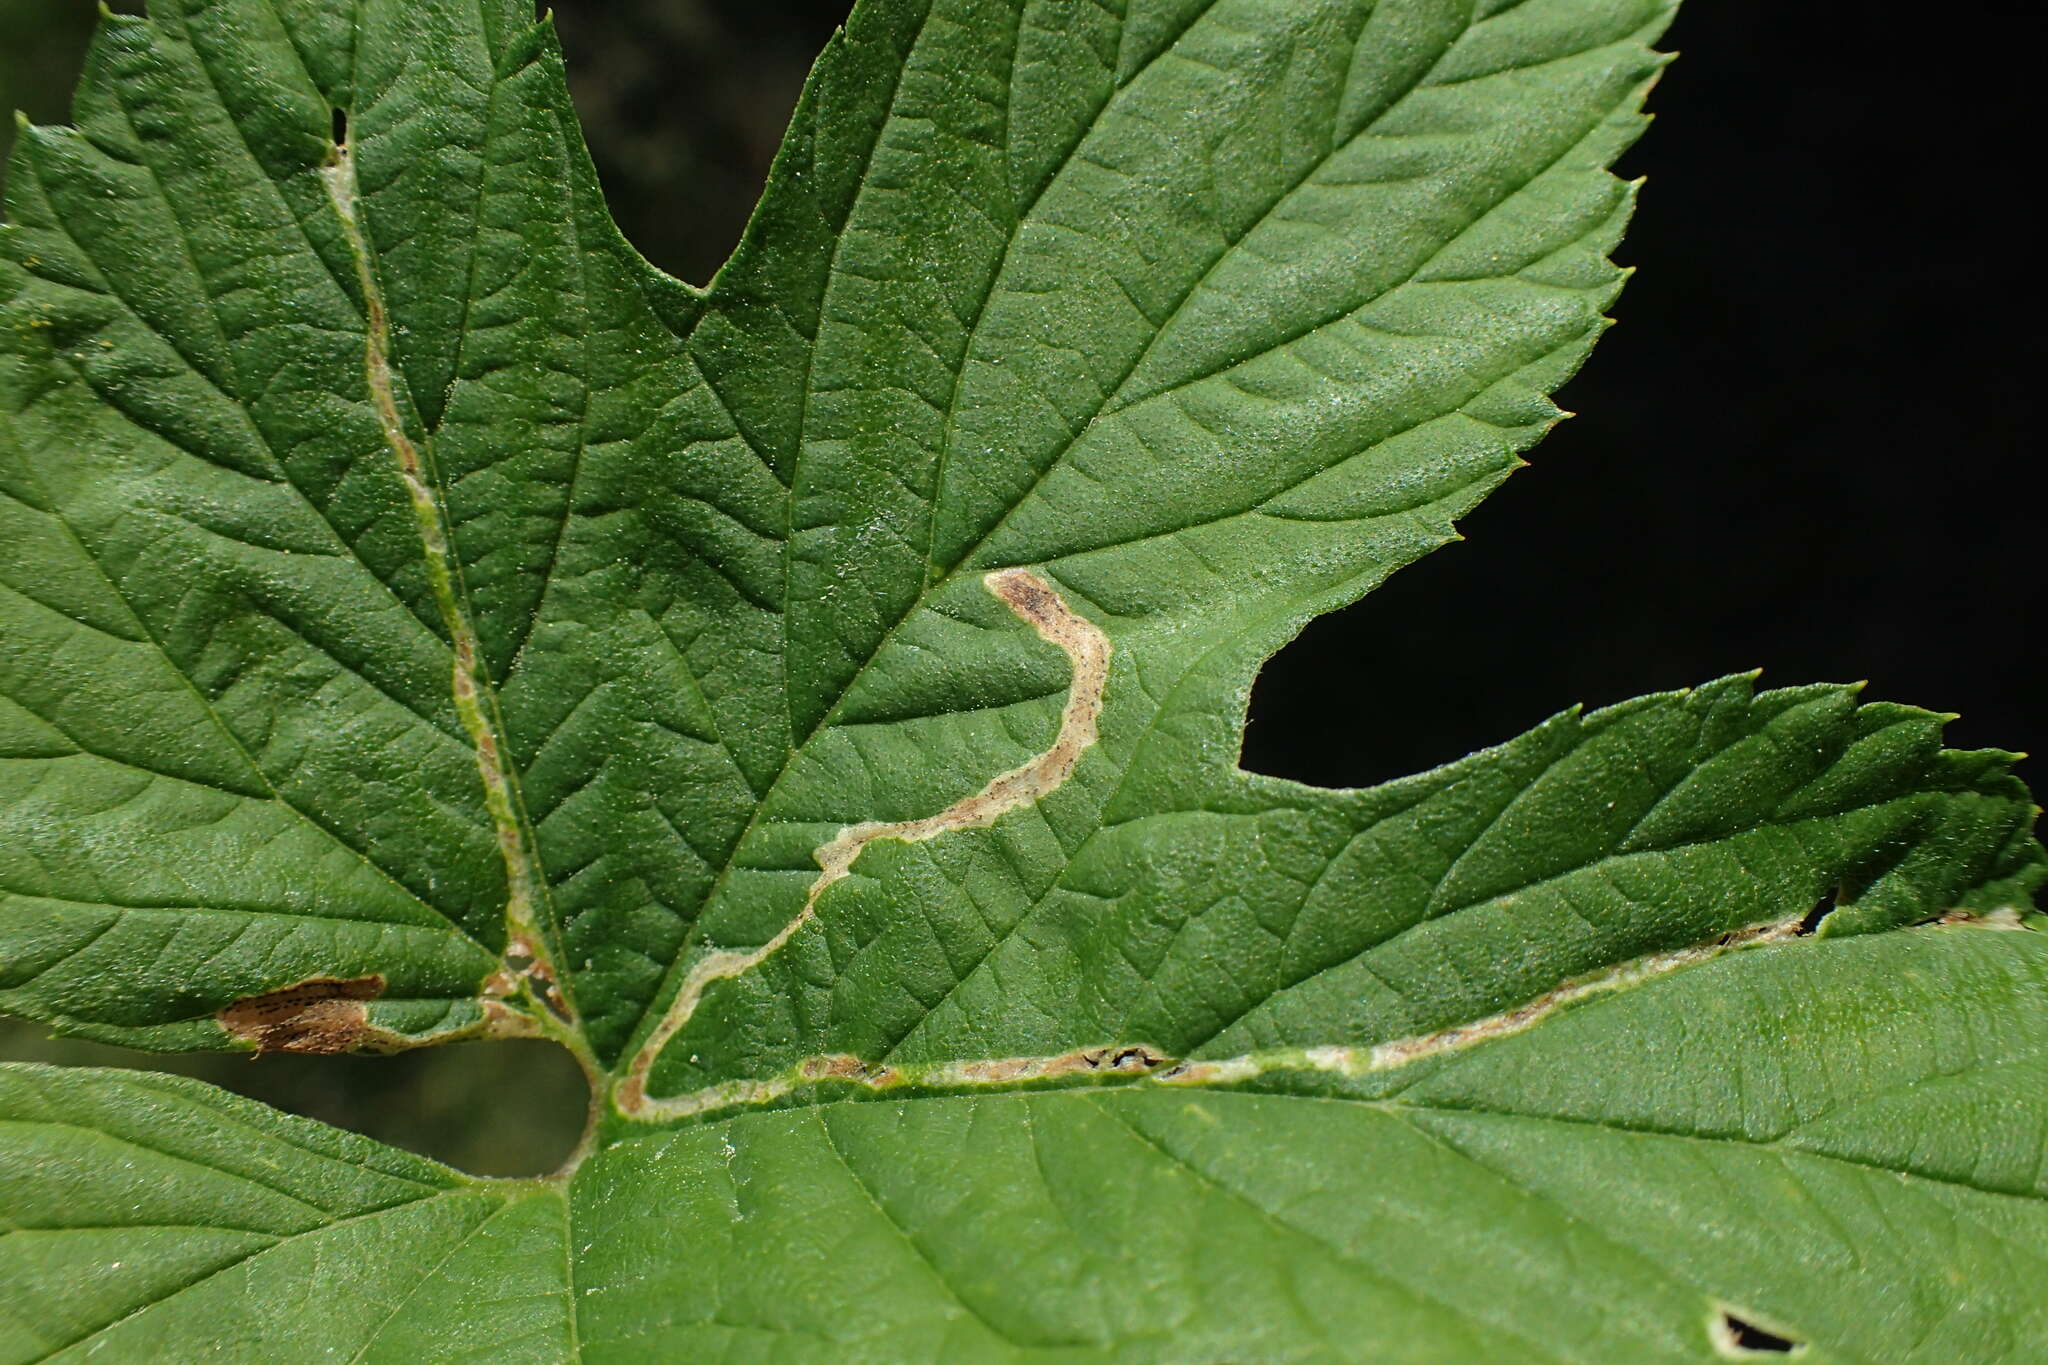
(325, 1015)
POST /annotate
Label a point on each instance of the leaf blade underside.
(815, 699)
(1507, 1199)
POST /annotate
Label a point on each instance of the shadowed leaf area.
(812, 702)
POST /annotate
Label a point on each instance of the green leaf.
(1836, 1171)
(814, 700)
(146, 1214)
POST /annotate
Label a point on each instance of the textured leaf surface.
(815, 699)
(147, 1214)
(1817, 1137)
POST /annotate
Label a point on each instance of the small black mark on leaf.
(1822, 908)
(1743, 1339)
(339, 133)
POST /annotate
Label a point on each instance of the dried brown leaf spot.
(323, 1015)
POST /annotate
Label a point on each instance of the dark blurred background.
(1809, 446)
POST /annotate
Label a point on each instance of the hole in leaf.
(1822, 908)
(1739, 1337)
(507, 1108)
(339, 133)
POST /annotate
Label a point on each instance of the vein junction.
(1040, 606)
